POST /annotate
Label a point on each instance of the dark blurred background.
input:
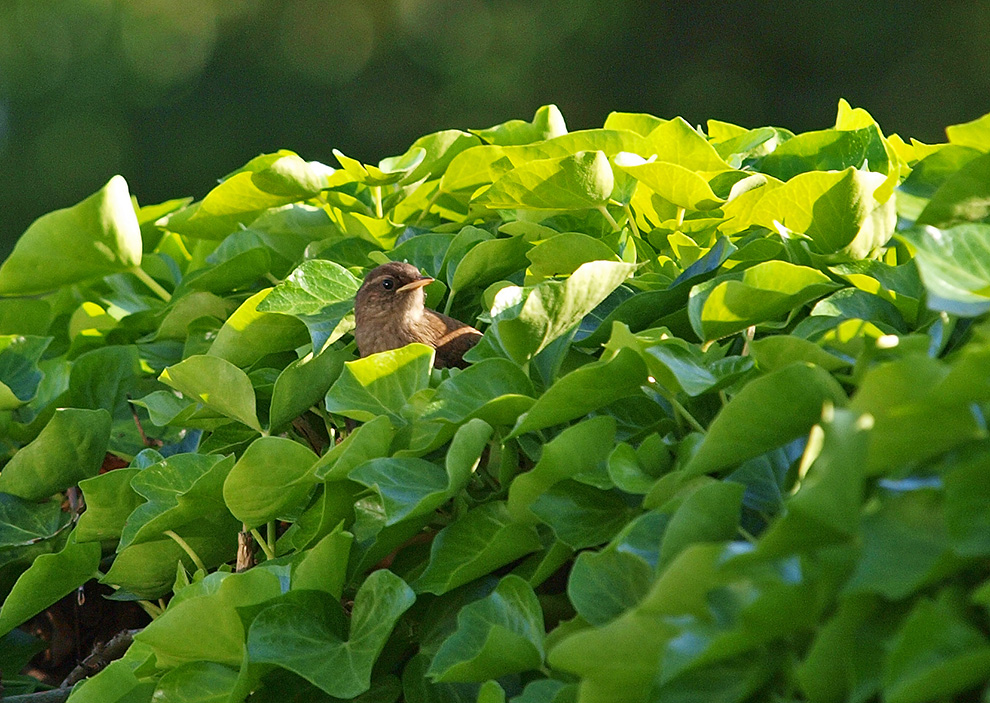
(175, 93)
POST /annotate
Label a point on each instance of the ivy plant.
(723, 438)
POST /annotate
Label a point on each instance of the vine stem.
(151, 283)
(263, 543)
(187, 549)
(608, 216)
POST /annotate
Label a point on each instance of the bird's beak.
(418, 283)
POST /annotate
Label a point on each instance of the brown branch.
(102, 655)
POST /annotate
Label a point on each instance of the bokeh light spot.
(328, 41)
(168, 41)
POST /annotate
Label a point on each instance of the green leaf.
(581, 448)
(118, 682)
(828, 150)
(619, 661)
(954, 264)
(24, 522)
(487, 262)
(318, 292)
(441, 148)
(380, 384)
(266, 181)
(962, 198)
(677, 142)
(709, 514)
(481, 541)
(303, 383)
(104, 378)
(324, 566)
(581, 515)
(70, 448)
(844, 214)
(47, 580)
(368, 441)
(547, 123)
(602, 585)
(760, 294)
(575, 182)
(562, 254)
(679, 185)
(486, 390)
(187, 308)
(409, 487)
(824, 507)
(936, 654)
(638, 122)
(198, 682)
(683, 367)
(179, 490)
(583, 390)
(109, 501)
(389, 171)
(525, 320)
(19, 372)
(768, 412)
(966, 505)
(918, 409)
(217, 384)
(643, 309)
(904, 547)
(216, 600)
(250, 334)
(777, 351)
(147, 569)
(289, 636)
(272, 479)
(96, 237)
(974, 134)
(497, 635)
(632, 475)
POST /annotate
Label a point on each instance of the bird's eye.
(388, 284)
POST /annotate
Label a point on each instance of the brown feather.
(390, 312)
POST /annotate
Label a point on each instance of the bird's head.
(391, 290)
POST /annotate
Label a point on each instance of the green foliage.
(723, 436)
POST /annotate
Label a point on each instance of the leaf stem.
(150, 608)
(687, 415)
(680, 216)
(376, 193)
(271, 534)
(151, 283)
(450, 301)
(632, 220)
(261, 542)
(746, 535)
(608, 216)
(429, 205)
(188, 550)
(680, 409)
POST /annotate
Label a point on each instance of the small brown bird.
(390, 312)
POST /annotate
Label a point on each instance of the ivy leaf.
(96, 237)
